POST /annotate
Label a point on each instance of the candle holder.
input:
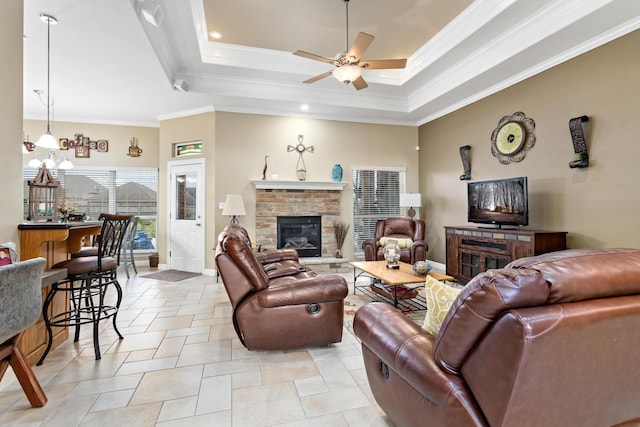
(392, 253)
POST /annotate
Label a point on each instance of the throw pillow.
(403, 243)
(439, 297)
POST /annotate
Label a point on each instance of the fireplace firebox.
(302, 233)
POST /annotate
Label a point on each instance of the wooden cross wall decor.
(301, 167)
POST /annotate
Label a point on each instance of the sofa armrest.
(370, 247)
(277, 270)
(406, 349)
(294, 291)
(276, 255)
(419, 250)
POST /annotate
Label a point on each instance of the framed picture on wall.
(82, 151)
(103, 145)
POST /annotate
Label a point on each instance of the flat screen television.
(499, 201)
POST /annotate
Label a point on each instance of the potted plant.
(154, 259)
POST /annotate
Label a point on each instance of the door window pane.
(186, 196)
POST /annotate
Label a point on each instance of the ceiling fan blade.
(378, 64)
(362, 42)
(313, 56)
(359, 83)
(318, 77)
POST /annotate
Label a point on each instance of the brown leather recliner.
(399, 228)
(278, 303)
(550, 340)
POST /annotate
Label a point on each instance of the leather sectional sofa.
(277, 302)
(552, 340)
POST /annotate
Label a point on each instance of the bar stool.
(127, 249)
(89, 250)
(88, 278)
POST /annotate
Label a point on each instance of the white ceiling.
(109, 65)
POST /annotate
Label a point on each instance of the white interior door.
(186, 215)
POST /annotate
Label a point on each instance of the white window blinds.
(376, 194)
(101, 190)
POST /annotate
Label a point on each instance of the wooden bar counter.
(54, 242)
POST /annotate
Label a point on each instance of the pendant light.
(47, 140)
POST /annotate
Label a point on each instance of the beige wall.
(199, 127)
(242, 141)
(599, 206)
(119, 138)
(11, 19)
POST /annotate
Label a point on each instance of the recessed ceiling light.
(304, 107)
(215, 35)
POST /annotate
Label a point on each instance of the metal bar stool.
(128, 258)
(88, 278)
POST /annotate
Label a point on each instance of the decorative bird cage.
(43, 196)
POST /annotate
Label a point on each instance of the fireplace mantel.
(261, 184)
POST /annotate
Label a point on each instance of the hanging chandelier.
(47, 140)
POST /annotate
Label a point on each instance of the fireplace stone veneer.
(272, 203)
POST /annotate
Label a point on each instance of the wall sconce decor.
(577, 130)
(466, 162)
(27, 146)
(134, 150)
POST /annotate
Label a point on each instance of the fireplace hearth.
(302, 233)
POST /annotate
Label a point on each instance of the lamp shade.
(233, 207)
(47, 141)
(66, 164)
(408, 200)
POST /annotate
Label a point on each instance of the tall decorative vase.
(336, 173)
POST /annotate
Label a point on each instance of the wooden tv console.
(472, 250)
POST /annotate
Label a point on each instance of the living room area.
(181, 362)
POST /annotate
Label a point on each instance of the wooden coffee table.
(392, 278)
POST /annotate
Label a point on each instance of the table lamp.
(409, 200)
(233, 207)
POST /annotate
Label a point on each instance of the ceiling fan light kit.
(347, 73)
(349, 64)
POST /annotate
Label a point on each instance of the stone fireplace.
(297, 199)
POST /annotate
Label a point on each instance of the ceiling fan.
(349, 64)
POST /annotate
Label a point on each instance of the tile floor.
(181, 364)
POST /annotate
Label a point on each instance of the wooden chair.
(20, 306)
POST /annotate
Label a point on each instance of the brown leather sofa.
(277, 302)
(399, 228)
(552, 340)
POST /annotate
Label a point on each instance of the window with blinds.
(107, 190)
(376, 195)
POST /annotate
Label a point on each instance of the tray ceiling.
(111, 65)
